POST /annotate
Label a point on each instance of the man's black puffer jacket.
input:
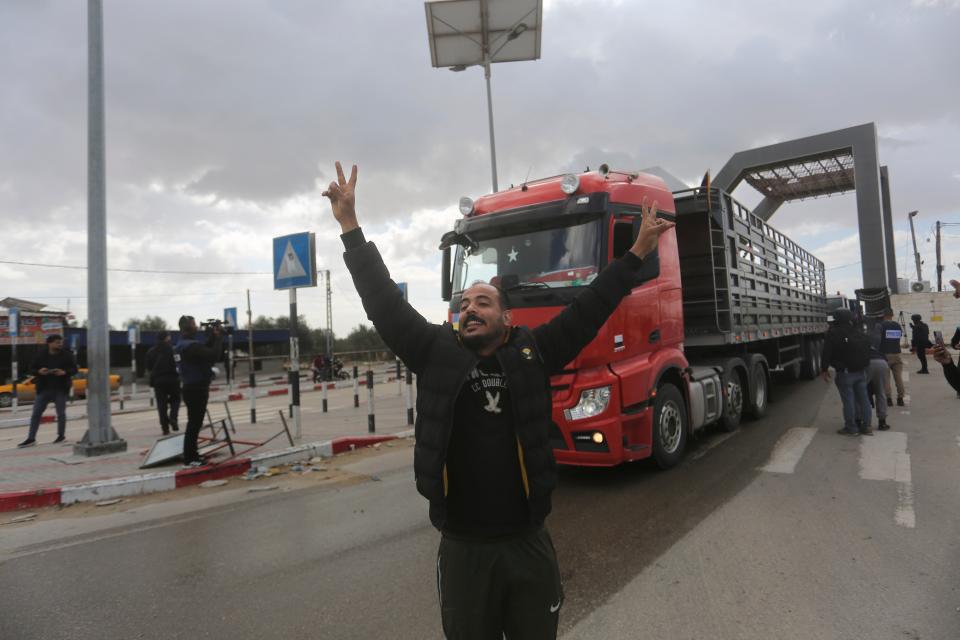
(442, 364)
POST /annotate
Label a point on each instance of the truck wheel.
(6, 400)
(811, 360)
(732, 401)
(761, 391)
(669, 426)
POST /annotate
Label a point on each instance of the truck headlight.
(570, 183)
(593, 402)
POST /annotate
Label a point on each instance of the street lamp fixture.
(468, 33)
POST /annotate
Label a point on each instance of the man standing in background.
(889, 334)
(165, 381)
(53, 369)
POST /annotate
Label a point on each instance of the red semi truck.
(725, 301)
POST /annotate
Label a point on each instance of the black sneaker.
(866, 432)
(883, 426)
(166, 432)
(900, 402)
(29, 442)
(59, 439)
(844, 432)
(175, 428)
(923, 372)
(889, 401)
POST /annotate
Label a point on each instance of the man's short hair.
(916, 317)
(843, 317)
(184, 322)
(54, 338)
(888, 313)
(504, 298)
(163, 335)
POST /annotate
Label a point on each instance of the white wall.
(939, 310)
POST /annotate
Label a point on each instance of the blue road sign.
(294, 263)
(230, 316)
(403, 290)
(13, 322)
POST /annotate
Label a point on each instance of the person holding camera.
(195, 355)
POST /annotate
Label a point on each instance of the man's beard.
(477, 342)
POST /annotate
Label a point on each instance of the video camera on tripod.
(213, 324)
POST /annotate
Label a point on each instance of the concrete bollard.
(356, 388)
(409, 396)
(371, 420)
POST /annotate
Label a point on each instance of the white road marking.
(789, 449)
(885, 457)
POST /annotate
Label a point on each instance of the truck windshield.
(559, 257)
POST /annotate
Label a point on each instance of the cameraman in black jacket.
(195, 356)
(482, 455)
(165, 381)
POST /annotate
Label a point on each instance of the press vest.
(192, 372)
(890, 335)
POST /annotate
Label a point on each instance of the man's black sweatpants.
(507, 587)
(196, 400)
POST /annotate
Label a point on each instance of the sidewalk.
(52, 466)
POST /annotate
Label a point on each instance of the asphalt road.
(732, 544)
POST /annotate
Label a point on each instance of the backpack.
(855, 351)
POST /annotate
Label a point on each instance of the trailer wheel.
(761, 391)
(6, 400)
(732, 401)
(811, 360)
(670, 426)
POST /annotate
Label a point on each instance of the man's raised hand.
(341, 194)
(651, 228)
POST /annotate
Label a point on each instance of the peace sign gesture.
(341, 194)
(651, 229)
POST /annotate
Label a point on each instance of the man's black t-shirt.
(485, 498)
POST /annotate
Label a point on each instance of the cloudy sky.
(224, 118)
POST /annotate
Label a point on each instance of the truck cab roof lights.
(570, 183)
(466, 205)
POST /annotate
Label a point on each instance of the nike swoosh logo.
(555, 607)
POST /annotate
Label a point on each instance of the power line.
(163, 271)
(841, 266)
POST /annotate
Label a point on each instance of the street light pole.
(916, 252)
(100, 437)
(493, 143)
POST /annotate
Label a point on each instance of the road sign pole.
(13, 370)
(253, 378)
(294, 364)
(100, 437)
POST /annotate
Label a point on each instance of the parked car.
(27, 390)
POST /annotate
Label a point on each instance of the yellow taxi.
(27, 390)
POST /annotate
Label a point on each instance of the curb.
(170, 480)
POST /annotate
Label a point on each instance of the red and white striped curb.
(169, 480)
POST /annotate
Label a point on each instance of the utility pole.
(939, 262)
(100, 437)
(916, 253)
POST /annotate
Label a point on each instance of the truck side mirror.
(446, 282)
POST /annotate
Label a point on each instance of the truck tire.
(6, 400)
(760, 391)
(733, 400)
(670, 426)
(811, 360)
